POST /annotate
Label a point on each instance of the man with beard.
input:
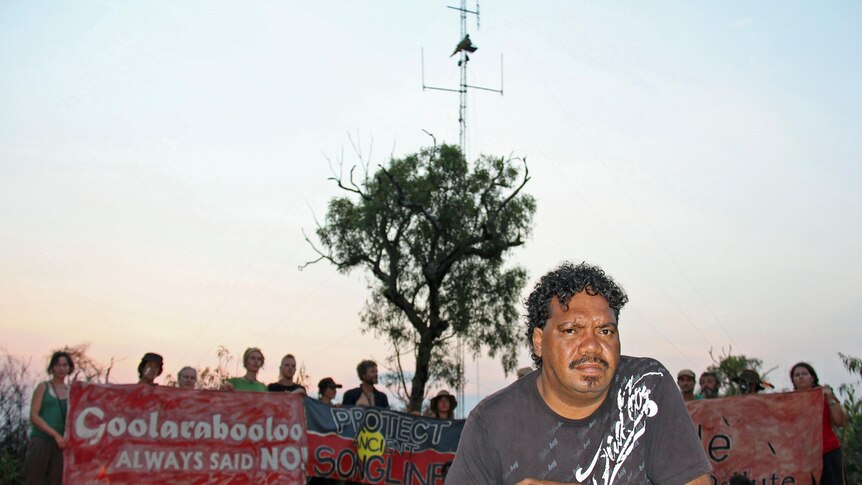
(589, 415)
(366, 394)
(709, 385)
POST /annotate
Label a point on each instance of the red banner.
(152, 434)
(770, 438)
(379, 446)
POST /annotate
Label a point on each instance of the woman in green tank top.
(44, 459)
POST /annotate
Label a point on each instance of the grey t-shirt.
(641, 433)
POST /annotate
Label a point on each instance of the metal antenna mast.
(464, 48)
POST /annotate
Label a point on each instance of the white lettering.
(123, 460)
(203, 431)
(186, 456)
(169, 429)
(138, 428)
(237, 432)
(153, 458)
(91, 426)
(296, 432)
(255, 432)
(116, 427)
(171, 461)
(286, 454)
(219, 428)
(186, 429)
(154, 419)
(85, 432)
(269, 458)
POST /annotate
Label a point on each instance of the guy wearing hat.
(685, 381)
(443, 405)
(326, 390)
(151, 366)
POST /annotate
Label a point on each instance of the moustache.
(589, 359)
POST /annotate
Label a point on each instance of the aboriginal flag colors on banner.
(378, 446)
(153, 434)
(771, 438)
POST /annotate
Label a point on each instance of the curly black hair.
(562, 283)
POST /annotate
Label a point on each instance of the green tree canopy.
(728, 366)
(433, 232)
(851, 436)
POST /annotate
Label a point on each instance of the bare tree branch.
(407, 204)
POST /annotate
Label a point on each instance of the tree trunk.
(420, 377)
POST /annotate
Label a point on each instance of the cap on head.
(686, 372)
(151, 357)
(328, 383)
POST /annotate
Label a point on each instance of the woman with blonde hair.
(252, 360)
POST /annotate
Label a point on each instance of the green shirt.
(53, 411)
(241, 384)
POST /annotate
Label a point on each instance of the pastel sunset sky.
(159, 161)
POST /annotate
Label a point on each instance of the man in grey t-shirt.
(589, 415)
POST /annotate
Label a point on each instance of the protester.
(326, 390)
(286, 371)
(750, 382)
(187, 378)
(43, 462)
(366, 394)
(443, 405)
(589, 414)
(685, 381)
(252, 360)
(709, 385)
(804, 377)
(151, 366)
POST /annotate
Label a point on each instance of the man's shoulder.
(630, 366)
(513, 396)
(351, 395)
